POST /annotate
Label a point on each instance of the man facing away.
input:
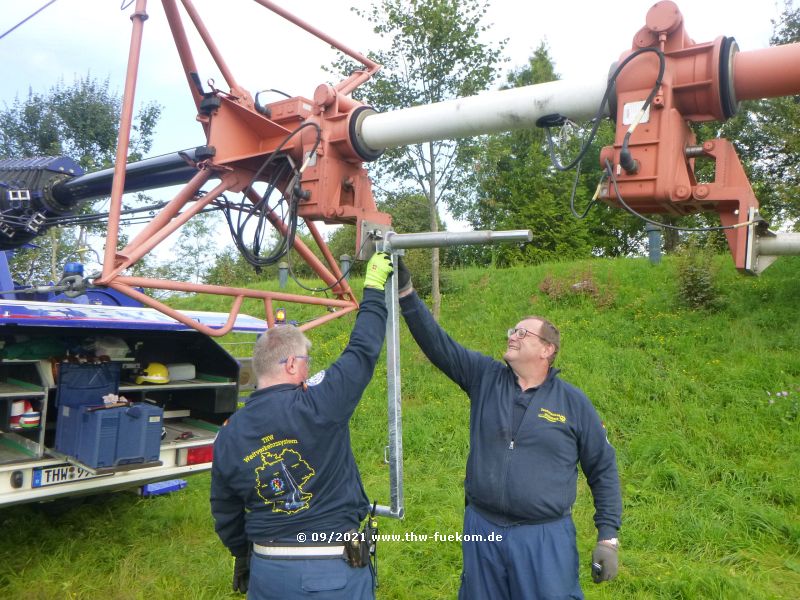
(284, 483)
(529, 430)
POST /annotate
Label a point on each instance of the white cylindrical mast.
(489, 112)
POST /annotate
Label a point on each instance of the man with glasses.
(529, 430)
(286, 493)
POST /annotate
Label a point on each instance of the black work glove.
(605, 562)
(403, 276)
(241, 573)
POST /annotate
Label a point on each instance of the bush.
(697, 275)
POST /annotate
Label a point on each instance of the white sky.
(73, 37)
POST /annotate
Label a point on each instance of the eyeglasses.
(520, 333)
(306, 357)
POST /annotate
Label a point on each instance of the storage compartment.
(210, 401)
(201, 385)
(21, 393)
(23, 409)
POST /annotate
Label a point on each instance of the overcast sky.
(73, 37)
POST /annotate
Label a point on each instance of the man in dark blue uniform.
(529, 430)
(284, 483)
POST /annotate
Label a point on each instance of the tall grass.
(701, 406)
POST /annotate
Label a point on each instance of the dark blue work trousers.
(531, 562)
(290, 579)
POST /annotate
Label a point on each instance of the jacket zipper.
(504, 486)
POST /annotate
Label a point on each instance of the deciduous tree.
(437, 52)
(79, 120)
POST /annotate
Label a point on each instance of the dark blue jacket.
(528, 473)
(283, 463)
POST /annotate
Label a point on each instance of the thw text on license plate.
(65, 473)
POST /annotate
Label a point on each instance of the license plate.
(66, 473)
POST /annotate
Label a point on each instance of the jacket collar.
(281, 387)
(551, 374)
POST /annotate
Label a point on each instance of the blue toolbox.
(77, 385)
(100, 436)
(108, 437)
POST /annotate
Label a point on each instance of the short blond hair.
(276, 344)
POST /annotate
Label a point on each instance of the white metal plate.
(631, 110)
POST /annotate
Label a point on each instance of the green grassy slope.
(703, 409)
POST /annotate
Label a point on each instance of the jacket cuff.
(240, 551)
(407, 302)
(606, 532)
(378, 294)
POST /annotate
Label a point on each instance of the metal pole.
(395, 425)
(125, 124)
(344, 261)
(283, 274)
(438, 239)
(654, 243)
(391, 242)
(783, 244)
(765, 246)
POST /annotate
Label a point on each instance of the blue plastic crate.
(80, 385)
(162, 487)
(111, 437)
(86, 384)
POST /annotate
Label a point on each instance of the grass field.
(703, 408)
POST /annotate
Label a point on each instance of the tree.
(191, 248)
(518, 188)
(435, 54)
(80, 120)
(766, 134)
(230, 268)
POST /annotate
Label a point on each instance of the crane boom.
(489, 112)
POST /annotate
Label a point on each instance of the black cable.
(597, 119)
(592, 202)
(293, 201)
(261, 208)
(238, 231)
(625, 159)
(610, 171)
(274, 91)
(98, 217)
(587, 141)
(28, 18)
(335, 283)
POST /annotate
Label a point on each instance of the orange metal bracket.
(701, 82)
(240, 138)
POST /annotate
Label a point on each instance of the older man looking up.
(529, 431)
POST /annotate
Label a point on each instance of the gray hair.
(549, 333)
(275, 345)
